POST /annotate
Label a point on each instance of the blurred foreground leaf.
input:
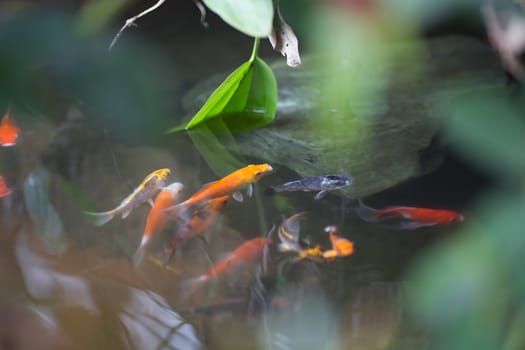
(488, 127)
(252, 17)
(46, 222)
(45, 64)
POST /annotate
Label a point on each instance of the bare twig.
(202, 10)
(131, 21)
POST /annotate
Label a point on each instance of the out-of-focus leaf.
(461, 291)
(46, 221)
(252, 17)
(465, 287)
(422, 12)
(96, 14)
(489, 129)
(39, 65)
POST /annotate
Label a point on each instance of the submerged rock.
(380, 139)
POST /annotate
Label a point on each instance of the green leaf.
(263, 94)
(221, 97)
(251, 17)
(247, 99)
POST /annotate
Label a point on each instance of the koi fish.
(289, 234)
(4, 189)
(315, 253)
(143, 193)
(289, 237)
(201, 219)
(9, 131)
(228, 185)
(245, 255)
(157, 218)
(340, 246)
(323, 184)
(412, 218)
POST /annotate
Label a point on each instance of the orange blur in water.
(9, 131)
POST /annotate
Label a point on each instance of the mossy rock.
(379, 141)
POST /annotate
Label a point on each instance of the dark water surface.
(66, 284)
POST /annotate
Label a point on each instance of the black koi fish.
(323, 184)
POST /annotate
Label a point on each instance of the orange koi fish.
(201, 219)
(340, 246)
(9, 131)
(228, 185)
(157, 217)
(246, 254)
(143, 193)
(4, 189)
(413, 218)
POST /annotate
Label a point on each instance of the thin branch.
(202, 10)
(131, 21)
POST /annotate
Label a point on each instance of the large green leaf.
(245, 100)
(252, 17)
(223, 96)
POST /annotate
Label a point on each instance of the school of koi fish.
(198, 213)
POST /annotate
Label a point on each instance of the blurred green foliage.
(45, 62)
(468, 291)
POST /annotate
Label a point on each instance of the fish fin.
(249, 190)
(150, 201)
(293, 225)
(409, 225)
(139, 256)
(178, 211)
(237, 196)
(321, 194)
(190, 286)
(99, 219)
(287, 247)
(126, 213)
(141, 251)
(365, 212)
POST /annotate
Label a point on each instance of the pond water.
(66, 283)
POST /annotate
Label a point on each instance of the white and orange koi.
(143, 193)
